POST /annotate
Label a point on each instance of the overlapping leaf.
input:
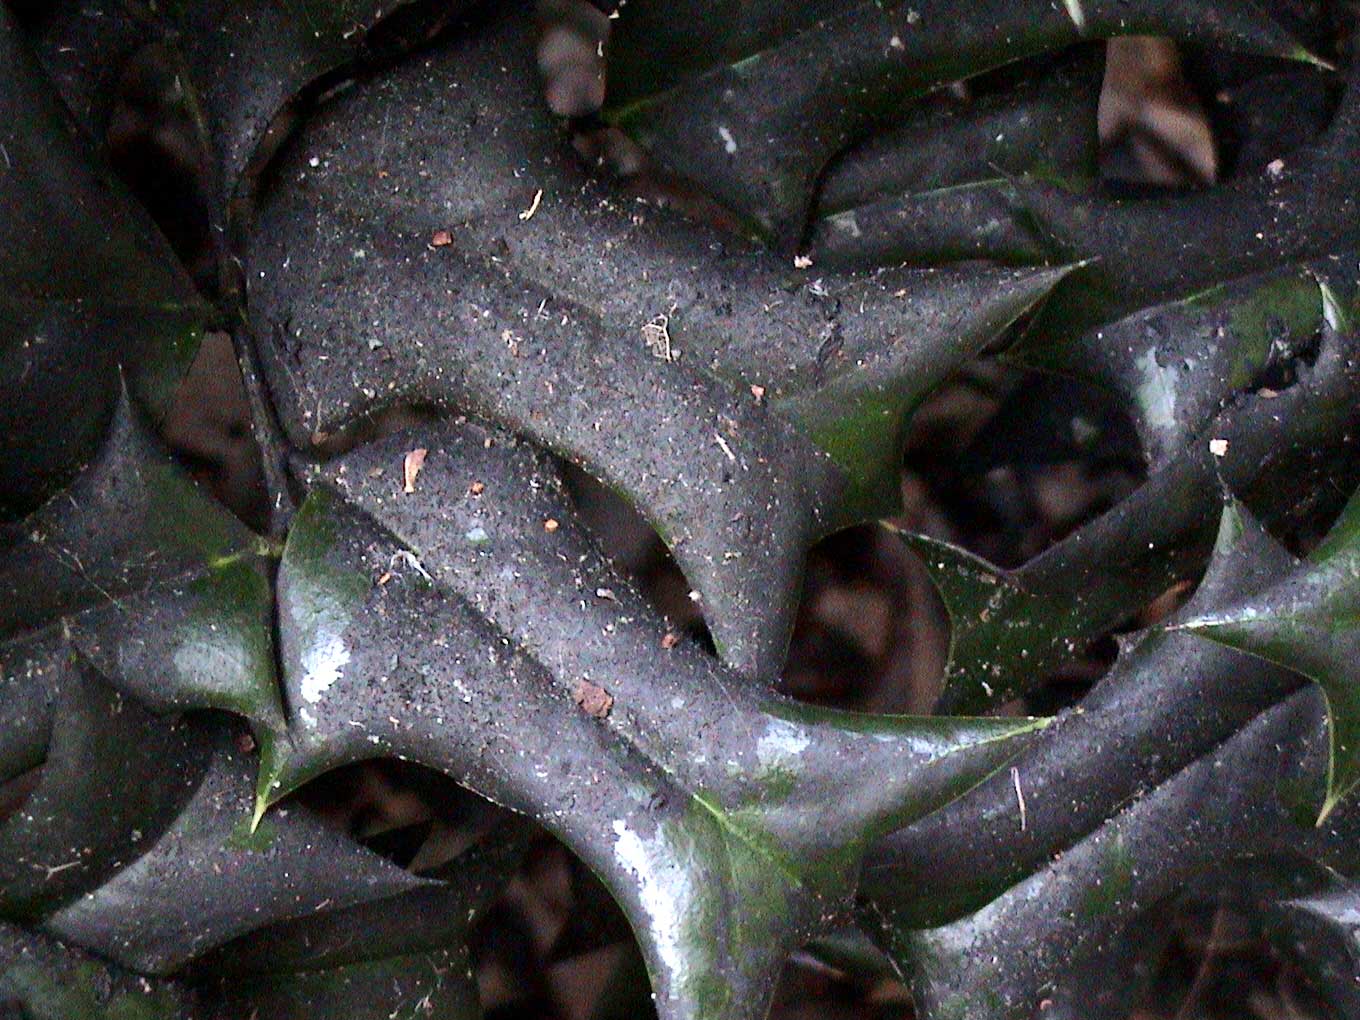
(747, 406)
(719, 92)
(1166, 701)
(65, 327)
(1149, 251)
(137, 839)
(940, 180)
(1177, 365)
(246, 69)
(1309, 621)
(1252, 797)
(744, 406)
(45, 980)
(1137, 251)
(451, 626)
(1009, 626)
(1075, 847)
(152, 583)
(1319, 929)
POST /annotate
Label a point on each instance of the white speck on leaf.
(780, 742)
(322, 663)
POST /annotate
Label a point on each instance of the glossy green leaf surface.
(1165, 702)
(544, 686)
(172, 606)
(207, 877)
(1309, 621)
(1009, 626)
(1246, 799)
(102, 795)
(1224, 763)
(1179, 364)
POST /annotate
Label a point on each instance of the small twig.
(1206, 967)
(528, 213)
(1019, 798)
(656, 334)
(56, 869)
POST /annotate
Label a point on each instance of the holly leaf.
(1179, 364)
(1142, 251)
(173, 605)
(50, 980)
(1309, 621)
(1225, 763)
(939, 180)
(544, 685)
(437, 985)
(103, 793)
(719, 93)
(628, 341)
(1318, 930)
(64, 330)
(1148, 251)
(46, 980)
(247, 69)
(207, 877)
(1167, 700)
(435, 915)
(1246, 800)
(1010, 626)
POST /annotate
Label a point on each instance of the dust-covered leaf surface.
(614, 334)
(727, 824)
(436, 303)
(717, 92)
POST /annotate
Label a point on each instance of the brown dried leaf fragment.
(410, 468)
(593, 700)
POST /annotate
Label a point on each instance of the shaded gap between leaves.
(555, 944)
(15, 792)
(416, 817)
(1210, 959)
(634, 547)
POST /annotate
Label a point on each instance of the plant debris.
(410, 468)
(593, 699)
